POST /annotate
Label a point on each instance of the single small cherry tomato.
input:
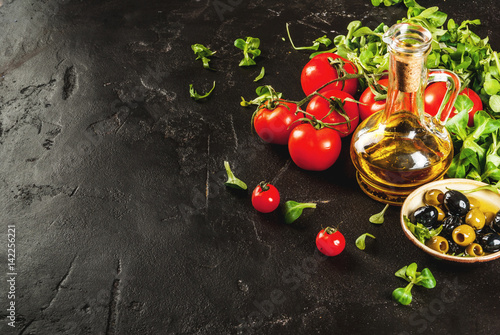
(265, 198)
(274, 122)
(369, 105)
(434, 95)
(314, 149)
(318, 71)
(330, 241)
(329, 111)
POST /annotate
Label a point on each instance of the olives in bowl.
(449, 222)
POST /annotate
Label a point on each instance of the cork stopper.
(408, 72)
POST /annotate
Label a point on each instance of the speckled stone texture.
(113, 177)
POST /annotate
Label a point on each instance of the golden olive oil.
(395, 155)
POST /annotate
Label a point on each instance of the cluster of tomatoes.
(330, 83)
(314, 135)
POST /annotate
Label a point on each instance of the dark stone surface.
(113, 178)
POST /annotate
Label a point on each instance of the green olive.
(474, 203)
(438, 243)
(463, 235)
(488, 217)
(475, 218)
(474, 249)
(441, 214)
(433, 197)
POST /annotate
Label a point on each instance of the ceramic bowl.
(415, 200)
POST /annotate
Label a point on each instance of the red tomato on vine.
(312, 148)
(369, 105)
(274, 121)
(320, 70)
(337, 110)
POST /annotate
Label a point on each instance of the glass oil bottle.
(401, 148)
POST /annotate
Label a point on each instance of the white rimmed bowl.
(415, 200)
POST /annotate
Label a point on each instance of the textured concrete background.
(113, 177)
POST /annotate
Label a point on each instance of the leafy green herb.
(477, 148)
(403, 295)
(363, 46)
(494, 103)
(420, 231)
(426, 279)
(386, 3)
(264, 93)
(379, 217)
(293, 210)
(203, 53)
(261, 75)
(316, 43)
(410, 274)
(361, 241)
(232, 181)
(250, 48)
(193, 94)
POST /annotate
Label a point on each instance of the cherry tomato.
(265, 198)
(434, 95)
(330, 241)
(320, 108)
(368, 104)
(314, 149)
(318, 71)
(274, 125)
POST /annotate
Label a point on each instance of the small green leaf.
(403, 295)
(426, 279)
(203, 53)
(401, 273)
(261, 75)
(420, 231)
(411, 271)
(379, 217)
(491, 85)
(293, 210)
(250, 48)
(386, 3)
(361, 241)
(463, 103)
(193, 94)
(232, 181)
(240, 43)
(495, 103)
(363, 31)
(457, 125)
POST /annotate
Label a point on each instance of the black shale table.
(112, 177)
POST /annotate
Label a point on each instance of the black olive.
(453, 248)
(450, 223)
(426, 215)
(495, 223)
(491, 242)
(483, 231)
(456, 203)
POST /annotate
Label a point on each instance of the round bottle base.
(387, 195)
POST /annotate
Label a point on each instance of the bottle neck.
(407, 81)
